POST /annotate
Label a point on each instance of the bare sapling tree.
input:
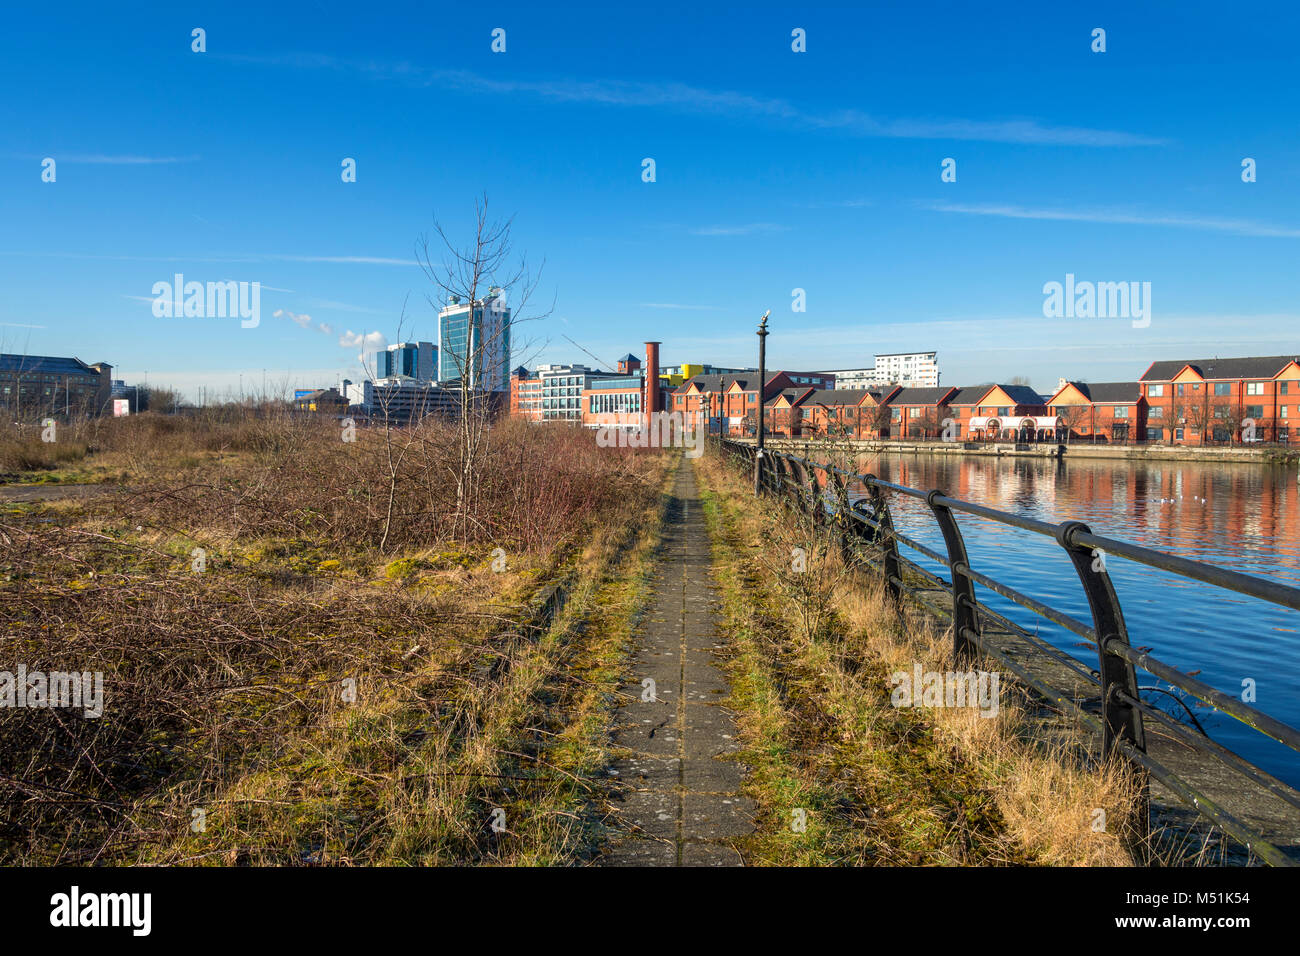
(484, 275)
(1072, 418)
(1198, 418)
(396, 448)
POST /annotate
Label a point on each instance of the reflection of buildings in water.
(1245, 516)
(1044, 486)
(978, 482)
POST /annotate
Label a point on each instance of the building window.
(1254, 388)
(1254, 411)
(1155, 391)
(1121, 411)
(1155, 434)
(1181, 388)
(1156, 412)
(1222, 388)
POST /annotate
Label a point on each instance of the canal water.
(1240, 516)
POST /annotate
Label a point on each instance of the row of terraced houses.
(1181, 401)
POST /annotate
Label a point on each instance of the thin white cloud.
(1241, 227)
(747, 229)
(300, 319)
(686, 98)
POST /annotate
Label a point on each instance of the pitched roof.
(969, 394)
(629, 357)
(771, 373)
(794, 393)
(44, 365)
(1255, 366)
(839, 396)
(1021, 394)
(716, 383)
(1107, 392)
(920, 396)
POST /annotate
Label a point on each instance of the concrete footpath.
(675, 796)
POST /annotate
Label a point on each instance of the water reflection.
(1244, 517)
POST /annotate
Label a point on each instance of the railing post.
(816, 500)
(884, 532)
(798, 475)
(842, 519)
(806, 479)
(965, 614)
(1120, 720)
(777, 473)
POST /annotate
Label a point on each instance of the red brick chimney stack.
(651, 380)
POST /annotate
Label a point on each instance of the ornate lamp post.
(762, 379)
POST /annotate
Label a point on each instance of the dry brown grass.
(224, 687)
(982, 789)
(1045, 792)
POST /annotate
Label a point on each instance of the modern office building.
(626, 400)
(411, 360)
(478, 331)
(404, 401)
(525, 394)
(560, 388)
(37, 386)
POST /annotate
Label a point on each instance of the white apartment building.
(854, 377)
(908, 369)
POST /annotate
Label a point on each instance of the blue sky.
(775, 170)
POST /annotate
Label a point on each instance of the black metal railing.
(858, 505)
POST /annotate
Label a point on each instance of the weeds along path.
(301, 700)
(676, 794)
(839, 775)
